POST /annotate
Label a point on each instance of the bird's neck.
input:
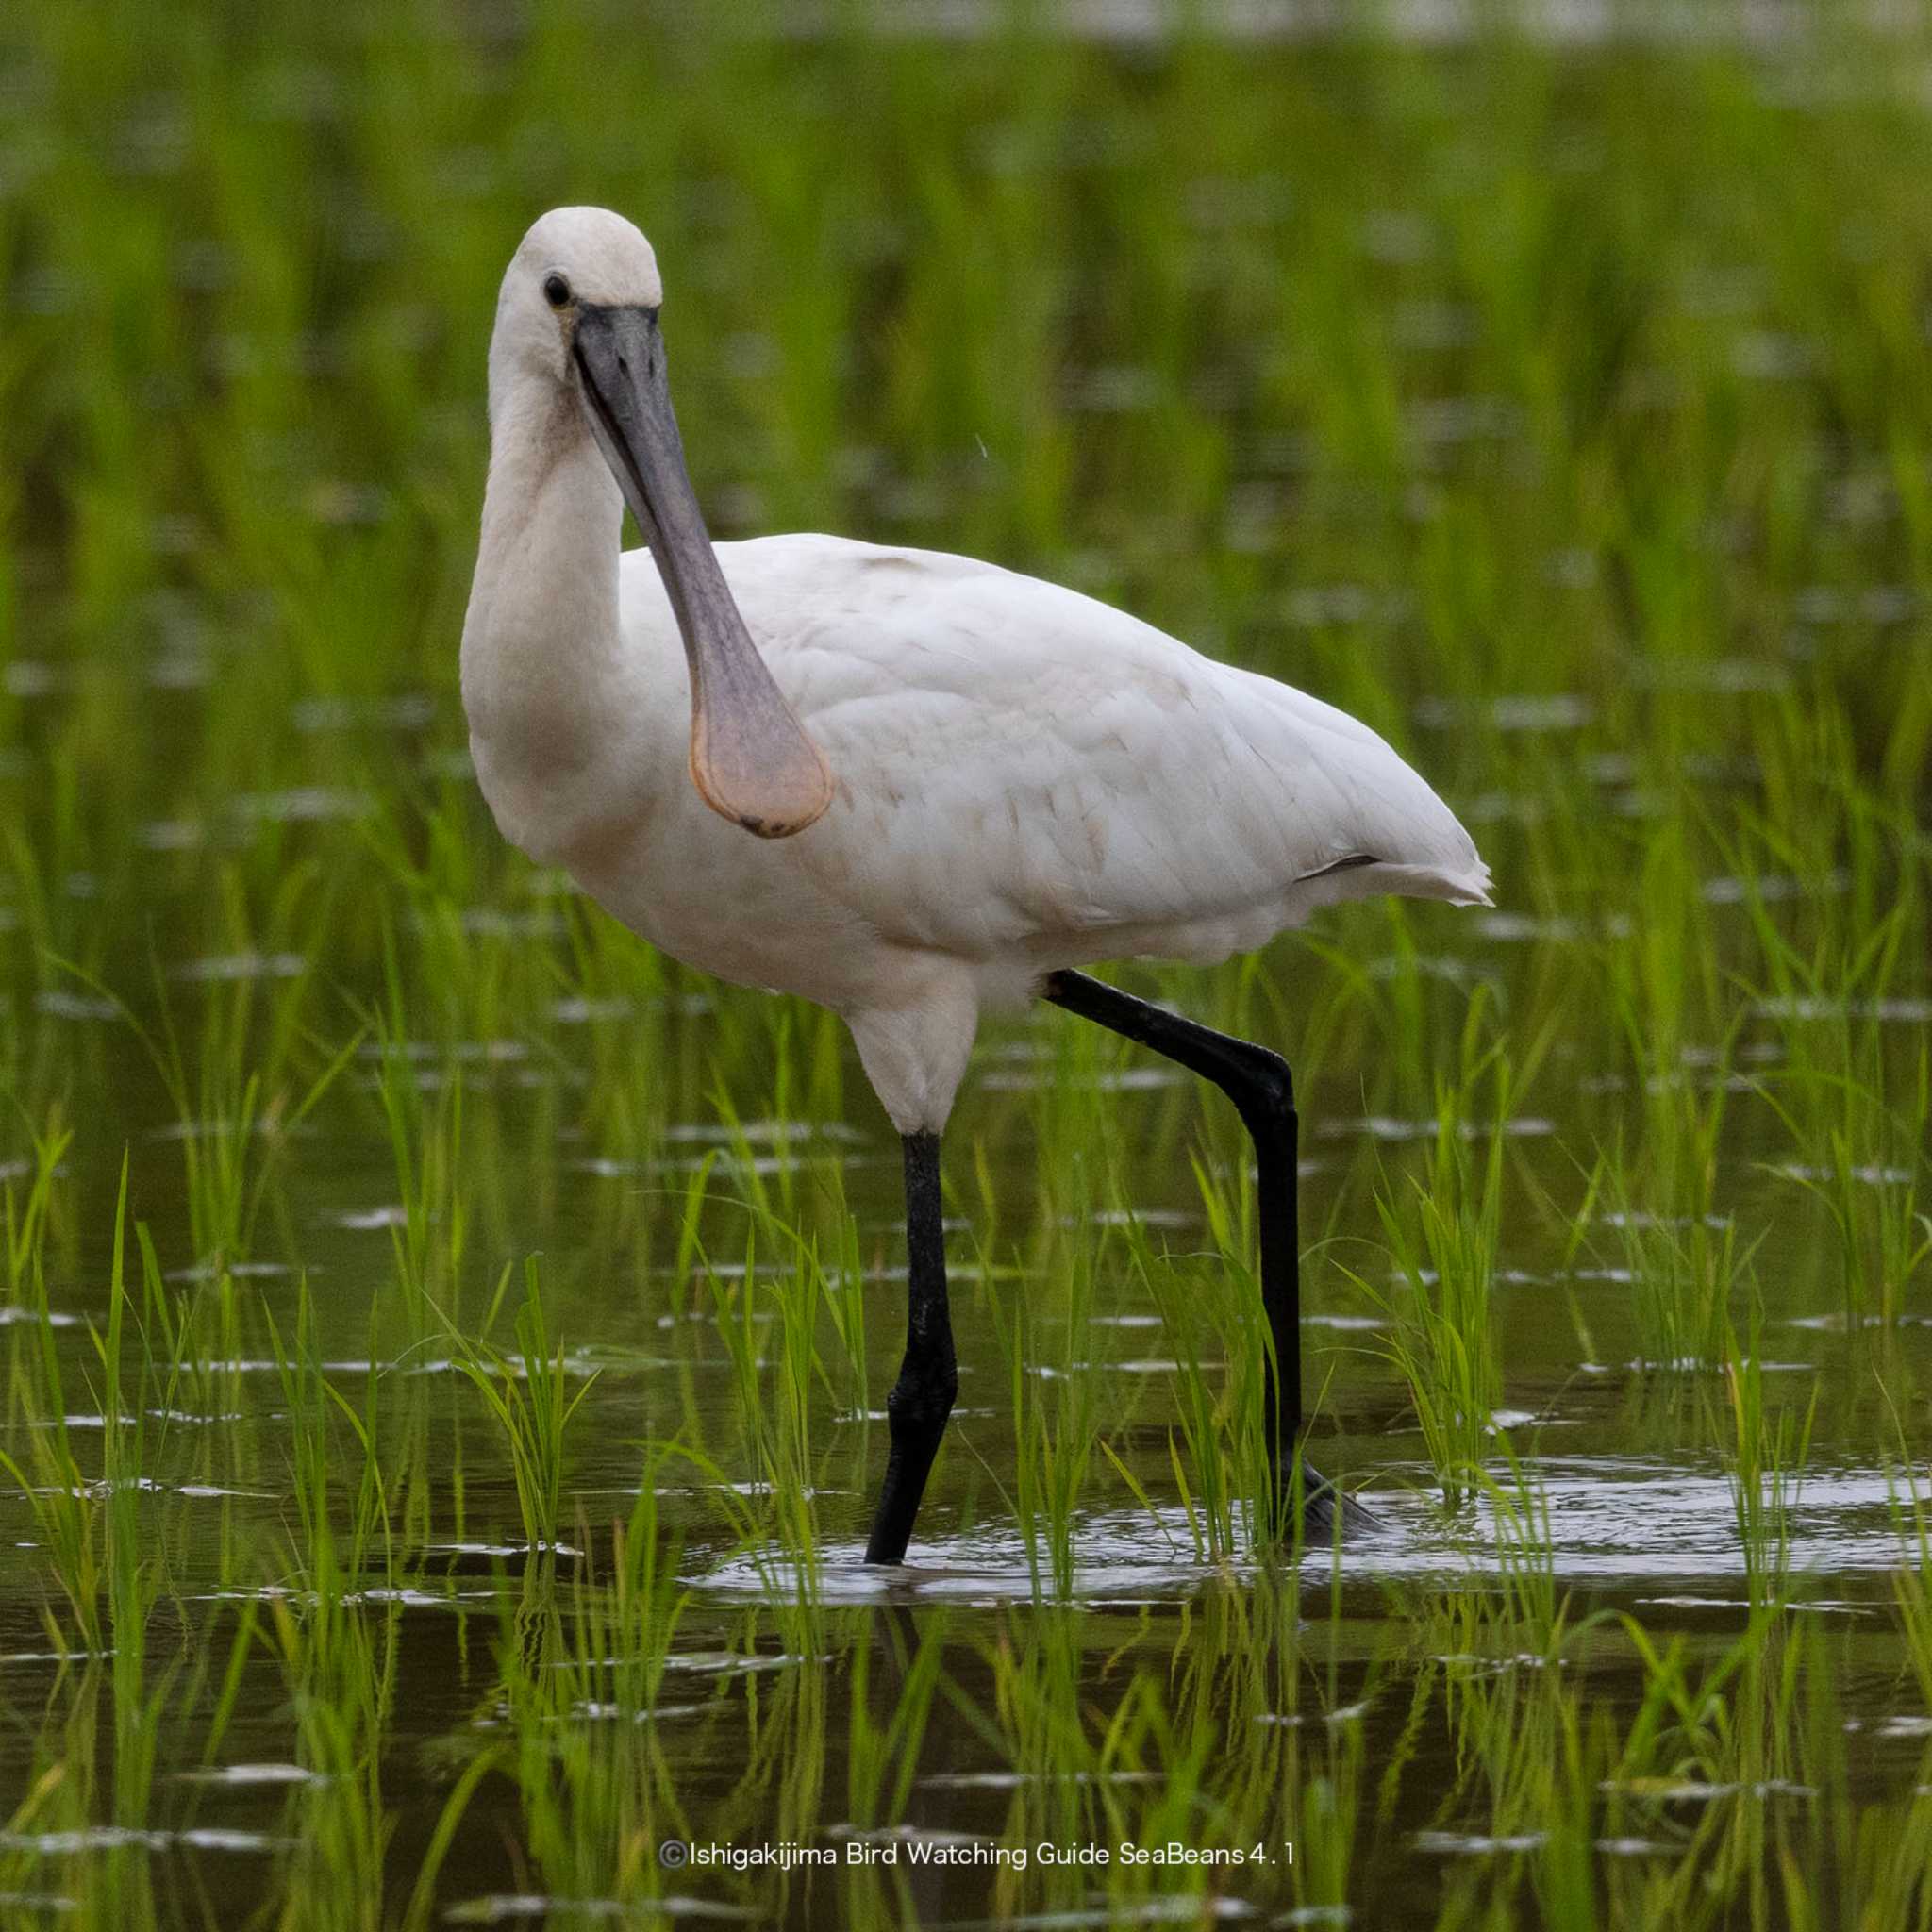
(542, 643)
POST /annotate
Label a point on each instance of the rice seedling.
(1744, 1748)
(1055, 1414)
(531, 1397)
(1765, 1451)
(1212, 1320)
(1443, 1239)
(426, 1143)
(775, 1418)
(1687, 1268)
(30, 1213)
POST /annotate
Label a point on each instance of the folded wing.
(1024, 766)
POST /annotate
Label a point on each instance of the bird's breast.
(559, 796)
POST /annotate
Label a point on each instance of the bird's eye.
(556, 292)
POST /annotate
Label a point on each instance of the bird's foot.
(1323, 1505)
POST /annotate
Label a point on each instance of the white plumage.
(1022, 778)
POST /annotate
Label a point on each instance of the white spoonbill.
(964, 784)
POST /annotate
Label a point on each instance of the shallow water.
(1633, 1509)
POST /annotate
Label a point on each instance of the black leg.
(1258, 1081)
(922, 1398)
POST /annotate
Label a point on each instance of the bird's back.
(1026, 773)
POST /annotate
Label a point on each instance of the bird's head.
(580, 311)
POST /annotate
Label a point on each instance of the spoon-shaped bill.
(750, 757)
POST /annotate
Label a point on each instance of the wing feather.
(1023, 765)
